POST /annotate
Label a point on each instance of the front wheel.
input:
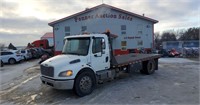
(84, 83)
(12, 61)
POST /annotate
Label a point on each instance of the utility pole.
(102, 1)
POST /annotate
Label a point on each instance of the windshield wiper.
(73, 53)
(63, 53)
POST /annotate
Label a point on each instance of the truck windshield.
(76, 46)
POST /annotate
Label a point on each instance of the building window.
(124, 48)
(139, 32)
(140, 43)
(67, 34)
(123, 45)
(123, 29)
(148, 26)
(67, 30)
(84, 28)
(139, 29)
(123, 33)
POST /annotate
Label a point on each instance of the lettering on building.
(132, 37)
(96, 16)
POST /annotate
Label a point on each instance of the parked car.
(174, 53)
(34, 53)
(40, 51)
(11, 57)
(164, 53)
(155, 51)
(26, 53)
(44, 57)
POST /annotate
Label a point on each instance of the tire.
(2, 64)
(12, 61)
(128, 68)
(84, 83)
(148, 67)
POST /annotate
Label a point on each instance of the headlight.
(66, 73)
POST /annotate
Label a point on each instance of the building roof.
(99, 6)
(47, 35)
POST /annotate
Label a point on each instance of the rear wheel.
(84, 83)
(148, 67)
(12, 61)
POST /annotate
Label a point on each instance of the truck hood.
(63, 60)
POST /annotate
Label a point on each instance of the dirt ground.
(176, 82)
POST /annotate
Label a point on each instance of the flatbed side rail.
(125, 60)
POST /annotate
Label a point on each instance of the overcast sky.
(23, 21)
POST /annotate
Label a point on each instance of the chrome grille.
(47, 70)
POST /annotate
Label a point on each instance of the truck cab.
(82, 54)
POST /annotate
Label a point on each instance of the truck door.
(99, 56)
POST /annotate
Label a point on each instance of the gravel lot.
(176, 82)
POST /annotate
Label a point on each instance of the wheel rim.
(85, 84)
(12, 61)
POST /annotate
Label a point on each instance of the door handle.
(107, 59)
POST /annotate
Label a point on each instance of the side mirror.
(99, 54)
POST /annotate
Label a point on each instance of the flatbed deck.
(122, 60)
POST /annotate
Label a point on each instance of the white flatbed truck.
(87, 60)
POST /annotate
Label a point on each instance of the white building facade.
(133, 30)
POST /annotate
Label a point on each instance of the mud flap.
(156, 63)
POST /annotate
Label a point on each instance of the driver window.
(98, 45)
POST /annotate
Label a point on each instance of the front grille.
(47, 71)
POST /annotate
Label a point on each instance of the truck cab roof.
(86, 35)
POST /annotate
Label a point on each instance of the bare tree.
(168, 36)
(179, 33)
(190, 34)
(157, 39)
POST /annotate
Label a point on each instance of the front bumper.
(58, 84)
